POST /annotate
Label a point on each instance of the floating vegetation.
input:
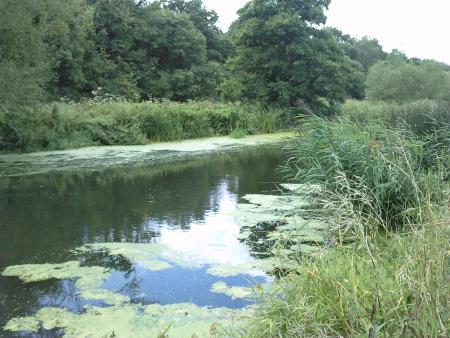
(278, 203)
(254, 268)
(130, 320)
(269, 223)
(95, 158)
(279, 222)
(87, 277)
(303, 189)
(153, 257)
(232, 291)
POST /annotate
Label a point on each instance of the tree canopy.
(400, 80)
(276, 53)
(282, 57)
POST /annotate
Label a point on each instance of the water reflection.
(183, 204)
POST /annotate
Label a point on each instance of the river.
(181, 205)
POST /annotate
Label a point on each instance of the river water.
(185, 205)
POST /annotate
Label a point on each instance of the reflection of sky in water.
(214, 240)
(210, 242)
(178, 285)
(183, 205)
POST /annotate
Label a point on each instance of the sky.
(418, 28)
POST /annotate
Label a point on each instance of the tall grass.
(392, 279)
(70, 125)
(399, 289)
(386, 164)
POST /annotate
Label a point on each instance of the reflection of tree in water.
(257, 239)
(41, 216)
(46, 214)
(104, 259)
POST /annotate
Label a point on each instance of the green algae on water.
(232, 291)
(151, 256)
(87, 277)
(106, 296)
(131, 320)
(257, 267)
(95, 158)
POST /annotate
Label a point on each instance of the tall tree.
(366, 51)
(218, 44)
(147, 47)
(283, 58)
(23, 57)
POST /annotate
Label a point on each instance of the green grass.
(388, 173)
(398, 289)
(64, 125)
(386, 193)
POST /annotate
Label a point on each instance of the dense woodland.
(275, 53)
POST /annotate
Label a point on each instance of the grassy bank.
(64, 126)
(386, 192)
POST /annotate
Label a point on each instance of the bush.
(422, 117)
(401, 81)
(70, 125)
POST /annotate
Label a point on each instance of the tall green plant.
(348, 158)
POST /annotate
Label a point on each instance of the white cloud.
(226, 9)
(419, 28)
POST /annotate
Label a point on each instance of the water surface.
(184, 204)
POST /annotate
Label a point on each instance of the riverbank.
(60, 126)
(94, 158)
(384, 271)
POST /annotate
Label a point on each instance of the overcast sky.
(417, 27)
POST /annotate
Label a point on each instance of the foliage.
(53, 49)
(421, 117)
(282, 58)
(218, 46)
(23, 63)
(389, 166)
(366, 51)
(345, 293)
(385, 271)
(396, 80)
(105, 122)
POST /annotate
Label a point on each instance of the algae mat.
(95, 158)
(130, 320)
(120, 317)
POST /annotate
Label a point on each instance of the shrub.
(401, 81)
(69, 125)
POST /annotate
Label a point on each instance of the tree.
(23, 58)
(400, 81)
(218, 44)
(366, 51)
(283, 58)
(71, 48)
(151, 50)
